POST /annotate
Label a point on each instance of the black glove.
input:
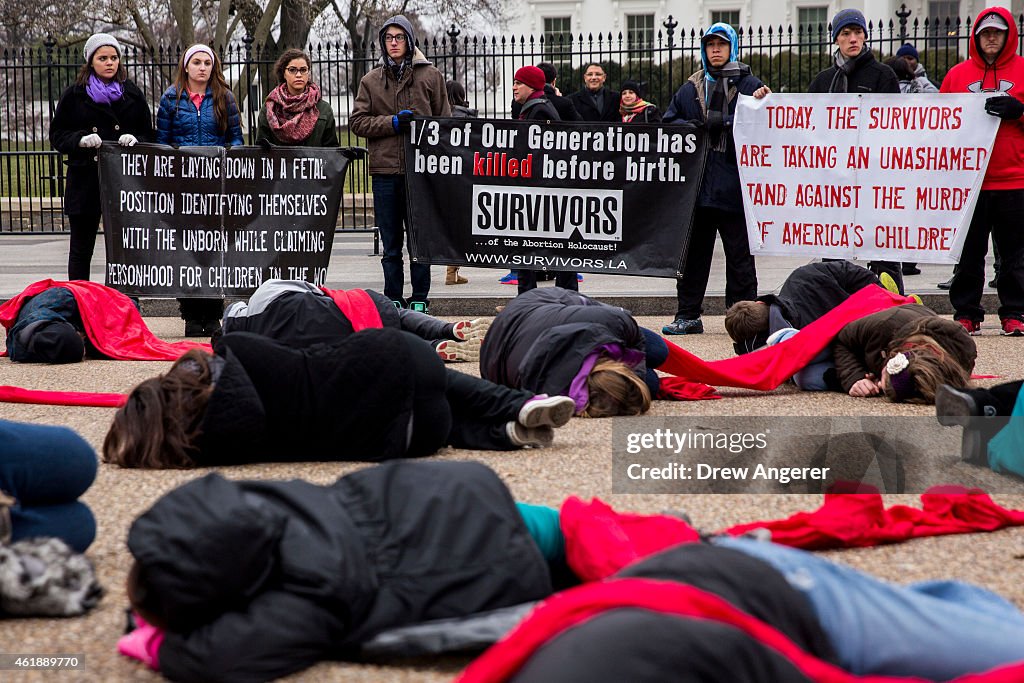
(265, 144)
(1005, 107)
(715, 121)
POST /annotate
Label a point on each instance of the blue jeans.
(937, 630)
(657, 353)
(390, 211)
(47, 469)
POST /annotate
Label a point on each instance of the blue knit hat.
(848, 17)
(908, 50)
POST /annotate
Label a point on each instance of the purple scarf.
(102, 92)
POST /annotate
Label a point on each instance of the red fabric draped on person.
(767, 368)
(577, 605)
(357, 306)
(112, 323)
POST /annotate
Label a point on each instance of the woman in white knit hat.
(199, 109)
(102, 104)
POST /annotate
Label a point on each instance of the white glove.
(127, 140)
(90, 140)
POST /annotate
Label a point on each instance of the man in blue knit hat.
(908, 53)
(855, 70)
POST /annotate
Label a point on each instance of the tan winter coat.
(380, 97)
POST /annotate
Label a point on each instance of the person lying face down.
(298, 313)
(253, 580)
(905, 352)
(557, 341)
(808, 293)
(748, 611)
(374, 395)
(48, 329)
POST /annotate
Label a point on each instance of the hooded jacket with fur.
(720, 186)
(421, 89)
(1006, 167)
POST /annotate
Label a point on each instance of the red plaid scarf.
(292, 117)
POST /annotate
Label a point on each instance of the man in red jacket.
(993, 66)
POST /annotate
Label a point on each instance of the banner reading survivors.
(592, 197)
(210, 221)
(887, 177)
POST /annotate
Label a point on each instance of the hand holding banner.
(883, 177)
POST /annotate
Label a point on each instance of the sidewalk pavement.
(25, 259)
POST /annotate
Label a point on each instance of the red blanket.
(767, 368)
(357, 306)
(9, 394)
(112, 323)
(600, 541)
(577, 605)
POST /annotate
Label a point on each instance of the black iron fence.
(786, 58)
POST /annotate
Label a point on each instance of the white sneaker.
(547, 411)
(459, 352)
(529, 437)
(465, 330)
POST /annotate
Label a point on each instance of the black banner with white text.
(588, 197)
(210, 221)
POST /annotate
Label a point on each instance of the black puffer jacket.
(540, 340)
(813, 290)
(348, 400)
(77, 116)
(259, 579)
(868, 75)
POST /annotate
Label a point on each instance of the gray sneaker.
(532, 437)
(684, 326)
(459, 352)
(546, 411)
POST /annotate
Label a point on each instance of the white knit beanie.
(198, 47)
(98, 40)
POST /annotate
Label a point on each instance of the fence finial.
(670, 28)
(903, 13)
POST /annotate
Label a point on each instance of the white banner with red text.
(882, 177)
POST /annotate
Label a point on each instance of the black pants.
(82, 244)
(1002, 397)
(201, 309)
(452, 408)
(998, 212)
(563, 279)
(424, 326)
(740, 272)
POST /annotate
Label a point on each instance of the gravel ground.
(579, 463)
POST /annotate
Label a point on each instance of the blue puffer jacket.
(720, 187)
(178, 123)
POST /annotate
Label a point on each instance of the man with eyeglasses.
(403, 85)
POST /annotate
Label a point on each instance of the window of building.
(938, 14)
(639, 34)
(557, 39)
(809, 21)
(729, 16)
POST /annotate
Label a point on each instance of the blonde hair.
(615, 390)
(746, 319)
(159, 425)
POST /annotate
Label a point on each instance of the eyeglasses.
(397, 38)
(298, 70)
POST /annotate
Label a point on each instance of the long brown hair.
(928, 365)
(218, 88)
(615, 390)
(160, 424)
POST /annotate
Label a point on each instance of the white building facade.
(639, 21)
